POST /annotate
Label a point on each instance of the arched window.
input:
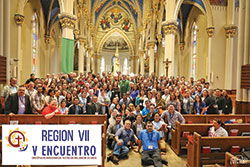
(35, 43)
(194, 50)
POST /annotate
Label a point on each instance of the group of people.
(141, 110)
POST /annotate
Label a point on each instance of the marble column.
(240, 50)
(210, 33)
(181, 58)
(136, 65)
(246, 59)
(81, 53)
(90, 54)
(170, 28)
(151, 47)
(98, 63)
(19, 20)
(230, 33)
(46, 58)
(6, 35)
(142, 62)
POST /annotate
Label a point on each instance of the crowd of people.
(134, 104)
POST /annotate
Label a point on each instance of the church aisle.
(135, 160)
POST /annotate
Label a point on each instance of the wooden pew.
(207, 118)
(179, 141)
(233, 161)
(60, 119)
(195, 156)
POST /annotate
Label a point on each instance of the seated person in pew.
(217, 130)
(150, 140)
(161, 127)
(18, 103)
(112, 129)
(124, 138)
(51, 109)
(171, 116)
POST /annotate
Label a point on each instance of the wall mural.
(116, 40)
(105, 23)
(116, 18)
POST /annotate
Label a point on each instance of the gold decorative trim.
(230, 30)
(210, 31)
(19, 19)
(170, 27)
(151, 44)
(182, 45)
(67, 20)
(76, 33)
(159, 37)
(47, 38)
(82, 41)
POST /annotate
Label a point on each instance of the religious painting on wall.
(116, 17)
(126, 25)
(105, 23)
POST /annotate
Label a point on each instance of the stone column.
(19, 20)
(246, 93)
(81, 53)
(142, 62)
(46, 58)
(136, 65)
(6, 35)
(240, 50)
(210, 33)
(170, 28)
(181, 59)
(67, 21)
(90, 54)
(151, 47)
(98, 63)
(131, 59)
(230, 33)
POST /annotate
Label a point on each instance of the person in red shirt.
(51, 110)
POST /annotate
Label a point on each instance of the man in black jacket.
(94, 107)
(18, 103)
(75, 108)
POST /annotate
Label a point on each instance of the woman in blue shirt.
(199, 106)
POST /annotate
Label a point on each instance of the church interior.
(207, 39)
(201, 38)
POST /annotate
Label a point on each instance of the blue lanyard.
(150, 138)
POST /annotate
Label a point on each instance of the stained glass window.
(35, 43)
(194, 50)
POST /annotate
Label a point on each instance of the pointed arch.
(123, 35)
(210, 22)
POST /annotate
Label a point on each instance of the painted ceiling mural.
(134, 7)
(116, 40)
(115, 18)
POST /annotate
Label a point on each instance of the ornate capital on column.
(159, 37)
(76, 33)
(82, 40)
(170, 27)
(67, 20)
(230, 30)
(182, 44)
(47, 38)
(210, 31)
(151, 44)
(19, 19)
